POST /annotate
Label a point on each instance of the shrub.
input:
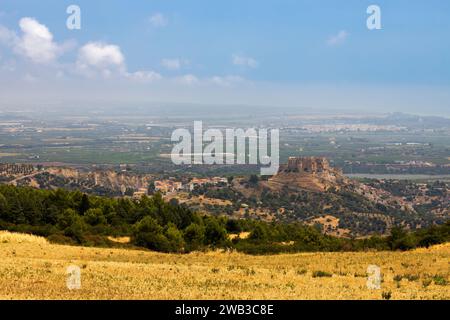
(60, 239)
(301, 271)
(440, 280)
(386, 295)
(411, 277)
(321, 274)
(398, 278)
(426, 282)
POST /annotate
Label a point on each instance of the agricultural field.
(382, 144)
(32, 268)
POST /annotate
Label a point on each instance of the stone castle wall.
(310, 165)
(307, 173)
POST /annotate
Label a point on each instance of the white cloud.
(36, 42)
(338, 38)
(240, 60)
(158, 20)
(101, 55)
(107, 60)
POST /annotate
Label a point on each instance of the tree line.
(72, 217)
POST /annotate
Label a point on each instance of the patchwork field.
(31, 268)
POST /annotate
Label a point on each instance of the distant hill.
(305, 190)
(308, 189)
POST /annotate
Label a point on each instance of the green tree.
(233, 226)
(94, 217)
(194, 236)
(129, 192)
(4, 212)
(215, 234)
(399, 239)
(84, 204)
(66, 218)
(76, 230)
(151, 188)
(175, 238)
(149, 234)
(260, 233)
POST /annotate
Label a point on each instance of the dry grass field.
(31, 268)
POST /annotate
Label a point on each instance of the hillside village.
(305, 189)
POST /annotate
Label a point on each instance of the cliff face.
(118, 181)
(308, 173)
(64, 172)
(104, 182)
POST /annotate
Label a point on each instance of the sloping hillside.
(36, 270)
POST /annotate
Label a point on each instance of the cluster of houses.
(140, 193)
(168, 186)
(172, 186)
(206, 181)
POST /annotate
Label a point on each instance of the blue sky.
(236, 50)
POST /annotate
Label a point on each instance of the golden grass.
(242, 235)
(11, 237)
(37, 270)
(119, 239)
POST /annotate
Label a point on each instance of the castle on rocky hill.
(310, 173)
(311, 165)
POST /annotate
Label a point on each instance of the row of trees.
(73, 217)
